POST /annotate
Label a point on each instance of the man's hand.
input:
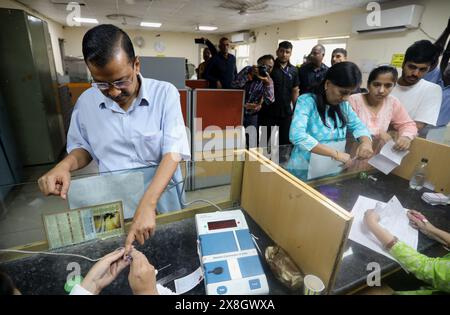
(219, 85)
(104, 271)
(364, 150)
(402, 144)
(142, 277)
(55, 182)
(142, 228)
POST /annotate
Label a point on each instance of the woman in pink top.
(378, 110)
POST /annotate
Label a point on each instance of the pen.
(419, 216)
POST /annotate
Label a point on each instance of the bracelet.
(335, 157)
(389, 245)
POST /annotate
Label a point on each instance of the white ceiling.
(184, 15)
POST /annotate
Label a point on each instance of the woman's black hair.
(344, 74)
(382, 70)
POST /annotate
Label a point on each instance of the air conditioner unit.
(392, 20)
(240, 37)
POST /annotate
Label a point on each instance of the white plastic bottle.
(418, 178)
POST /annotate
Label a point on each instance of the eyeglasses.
(117, 84)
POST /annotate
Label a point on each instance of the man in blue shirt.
(221, 69)
(124, 121)
(312, 73)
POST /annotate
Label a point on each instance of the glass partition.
(23, 206)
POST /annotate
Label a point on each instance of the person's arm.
(142, 277)
(242, 78)
(406, 127)
(211, 46)
(440, 42)
(102, 274)
(420, 222)
(445, 60)
(359, 131)
(299, 136)
(296, 88)
(175, 146)
(295, 94)
(57, 180)
(143, 225)
(325, 150)
(431, 270)
(269, 91)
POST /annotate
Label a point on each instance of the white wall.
(176, 44)
(55, 30)
(377, 47)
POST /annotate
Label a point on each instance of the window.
(242, 53)
(303, 47)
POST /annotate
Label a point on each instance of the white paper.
(392, 217)
(95, 190)
(188, 282)
(388, 158)
(320, 165)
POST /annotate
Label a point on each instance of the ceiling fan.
(244, 7)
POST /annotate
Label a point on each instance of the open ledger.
(392, 217)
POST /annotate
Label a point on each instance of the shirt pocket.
(148, 146)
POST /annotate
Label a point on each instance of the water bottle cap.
(425, 160)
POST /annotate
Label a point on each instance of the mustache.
(120, 96)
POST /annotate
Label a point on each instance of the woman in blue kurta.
(324, 116)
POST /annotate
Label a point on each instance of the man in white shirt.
(422, 99)
(124, 122)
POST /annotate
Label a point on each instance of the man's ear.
(137, 64)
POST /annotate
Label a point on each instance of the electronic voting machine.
(228, 255)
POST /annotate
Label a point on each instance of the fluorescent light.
(335, 37)
(150, 24)
(85, 20)
(207, 28)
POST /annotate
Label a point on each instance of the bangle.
(335, 157)
(389, 245)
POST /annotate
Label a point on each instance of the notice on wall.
(397, 60)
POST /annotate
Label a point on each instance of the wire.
(429, 36)
(185, 204)
(47, 253)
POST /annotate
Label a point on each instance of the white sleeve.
(164, 291)
(429, 111)
(79, 290)
(174, 131)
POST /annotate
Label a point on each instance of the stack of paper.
(321, 165)
(388, 158)
(392, 217)
(436, 198)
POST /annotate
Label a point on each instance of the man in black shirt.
(312, 73)
(221, 69)
(279, 113)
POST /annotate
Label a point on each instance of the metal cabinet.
(28, 83)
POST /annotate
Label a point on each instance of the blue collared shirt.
(444, 113)
(118, 139)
